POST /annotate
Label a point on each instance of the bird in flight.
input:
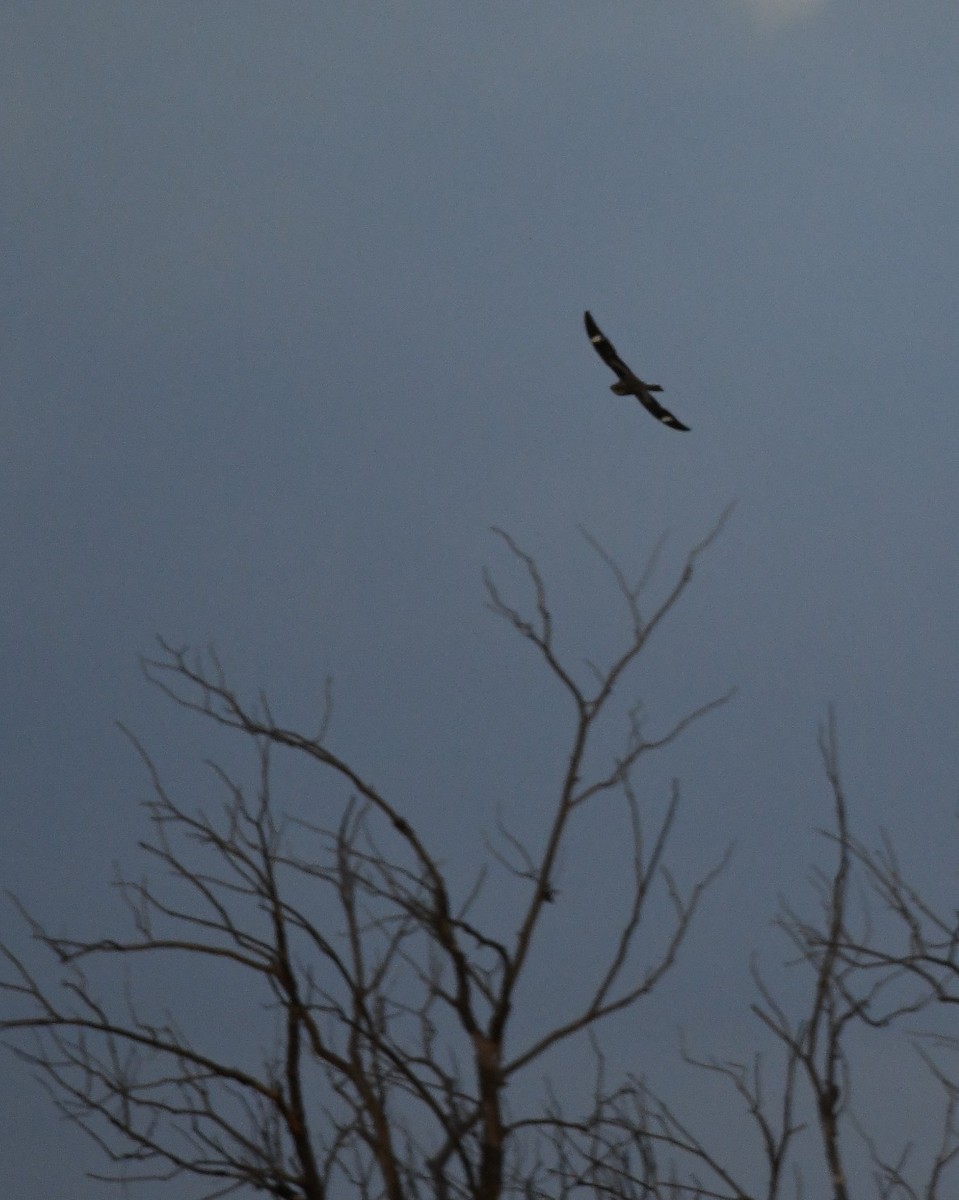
(629, 384)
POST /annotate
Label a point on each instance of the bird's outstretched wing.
(605, 348)
(629, 384)
(659, 412)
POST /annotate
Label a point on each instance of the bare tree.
(910, 959)
(388, 1005)
(857, 982)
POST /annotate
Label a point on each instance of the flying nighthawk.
(629, 384)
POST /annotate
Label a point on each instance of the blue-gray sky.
(293, 313)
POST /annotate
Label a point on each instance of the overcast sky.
(293, 302)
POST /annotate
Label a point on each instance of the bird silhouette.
(628, 383)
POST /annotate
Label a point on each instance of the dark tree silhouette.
(852, 986)
(396, 1064)
(389, 1008)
